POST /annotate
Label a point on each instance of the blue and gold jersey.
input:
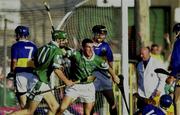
(103, 49)
(152, 110)
(23, 51)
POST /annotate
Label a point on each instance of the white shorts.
(86, 92)
(39, 87)
(25, 81)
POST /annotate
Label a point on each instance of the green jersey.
(47, 58)
(81, 67)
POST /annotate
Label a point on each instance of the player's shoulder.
(31, 42)
(24, 42)
(57, 50)
(98, 58)
(53, 46)
(16, 44)
(152, 109)
(105, 43)
(177, 41)
(77, 53)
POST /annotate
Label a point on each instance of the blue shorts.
(102, 81)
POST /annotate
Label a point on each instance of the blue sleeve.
(104, 50)
(14, 52)
(175, 58)
(152, 110)
(109, 54)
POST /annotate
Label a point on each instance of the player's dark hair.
(85, 41)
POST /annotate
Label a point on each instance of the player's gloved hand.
(11, 75)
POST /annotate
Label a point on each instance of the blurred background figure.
(10, 96)
(156, 52)
(1, 74)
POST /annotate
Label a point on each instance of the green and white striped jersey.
(81, 67)
(47, 58)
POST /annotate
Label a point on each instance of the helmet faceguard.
(58, 34)
(100, 33)
(22, 31)
(99, 29)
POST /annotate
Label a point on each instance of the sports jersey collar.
(24, 40)
(97, 45)
(55, 43)
(90, 58)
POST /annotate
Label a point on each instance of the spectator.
(150, 85)
(156, 52)
(1, 74)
